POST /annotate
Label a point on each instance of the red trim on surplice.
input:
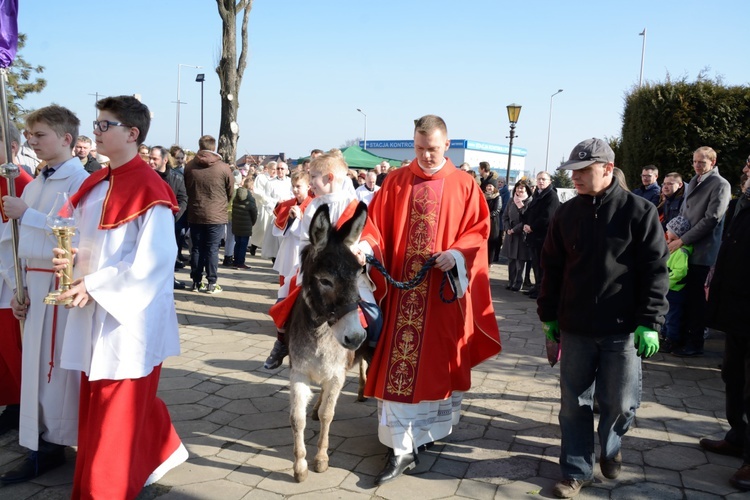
(133, 188)
(282, 209)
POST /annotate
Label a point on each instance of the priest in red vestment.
(422, 363)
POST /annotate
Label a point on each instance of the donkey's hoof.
(321, 465)
(361, 399)
(314, 416)
(300, 476)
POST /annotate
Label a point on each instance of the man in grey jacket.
(706, 200)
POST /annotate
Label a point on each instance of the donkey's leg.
(363, 366)
(316, 408)
(299, 396)
(329, 395)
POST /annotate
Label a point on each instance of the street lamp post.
(549, 128)
(177, 127)
(643, 56)
(201, 77)
(514, 110)
(365, 115)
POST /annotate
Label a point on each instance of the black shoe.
(178, 265)
(515, 288)
(278, 353)
(533, 295)
(508, 287)
(395, 466)
(527, 284)
(179, 285)
(35, 464)
(611, 467)
(741, 478)
(182, 258)
(721, 446)
(9, 418)
(687, 352)
(228, 261)
(252, 250)
(667, 346)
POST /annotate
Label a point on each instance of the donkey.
(324, 330)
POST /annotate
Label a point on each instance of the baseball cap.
(587, 153)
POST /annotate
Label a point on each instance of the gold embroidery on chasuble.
(403, 363)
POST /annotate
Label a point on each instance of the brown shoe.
(741, 478)
(611, 466)
(721, 446)
(568, 488)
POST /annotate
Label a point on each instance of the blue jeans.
(612, 364)
(204, 256)
(240, 249)
(673, 320)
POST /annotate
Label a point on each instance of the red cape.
(133, 189)
(281, 211)
(427, 347)
(20, 183)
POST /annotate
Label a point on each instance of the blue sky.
(312, 63)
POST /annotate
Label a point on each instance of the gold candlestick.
(64, 237)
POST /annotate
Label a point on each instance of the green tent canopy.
(358, 158)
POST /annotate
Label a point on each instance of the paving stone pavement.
(232, 415)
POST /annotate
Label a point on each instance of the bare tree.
(230, 71)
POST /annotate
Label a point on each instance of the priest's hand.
(78, 293)
(14, 207)
(19, 310)
(444, 261)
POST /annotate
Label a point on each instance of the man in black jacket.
(604, 294)
(727, 298)
(538, 215)
(158, 158)
(82, 150)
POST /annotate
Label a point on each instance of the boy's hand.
(14, 207)
(674, 245)
(19, 310)
(551, 330)
(359, 254)
(78, 292)
(646, 341)
(60, 259)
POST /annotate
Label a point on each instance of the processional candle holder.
(61, 220)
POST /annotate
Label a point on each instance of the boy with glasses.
(122, 323)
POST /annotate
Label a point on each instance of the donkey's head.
(330, 271)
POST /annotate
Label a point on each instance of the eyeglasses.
(103, 125)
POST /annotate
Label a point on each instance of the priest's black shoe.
(395, 466)
(35, 464)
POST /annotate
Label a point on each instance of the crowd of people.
(618, 276)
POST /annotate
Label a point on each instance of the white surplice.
(48, 408)
(131, 325)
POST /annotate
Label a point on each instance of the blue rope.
(417, 279)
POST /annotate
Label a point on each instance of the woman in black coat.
(514, 246)
(492, 195)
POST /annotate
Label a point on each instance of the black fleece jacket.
(605, 265)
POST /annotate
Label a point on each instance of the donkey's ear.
(320, 227)
(351, 230)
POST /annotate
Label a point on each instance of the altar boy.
(123, 322)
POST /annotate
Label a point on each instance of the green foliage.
(21, 82)
(664, 123)
(561, 179)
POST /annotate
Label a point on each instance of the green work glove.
(646, 341)
(551, 330)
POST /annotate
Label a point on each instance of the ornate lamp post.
(549, 128)
(201, 78)
(514, 110)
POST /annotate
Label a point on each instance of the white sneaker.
(175, 459)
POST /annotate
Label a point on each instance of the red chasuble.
(133, 188)
(428, 347)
